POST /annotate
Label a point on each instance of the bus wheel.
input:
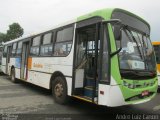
(13, 79)
(59, 90)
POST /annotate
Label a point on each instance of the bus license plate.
(145, 93)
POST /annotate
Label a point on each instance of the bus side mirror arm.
(112, 21)
(116, 52)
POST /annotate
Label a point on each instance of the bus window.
(63, 42)
(13, 53)
(5, 52)
(19, 49)
(46, 47)
(35, 46)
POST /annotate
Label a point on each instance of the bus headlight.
(125, 83)
(131, 86)
(152, 83)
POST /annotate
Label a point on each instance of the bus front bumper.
(119, 95)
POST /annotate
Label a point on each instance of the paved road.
(24, 98)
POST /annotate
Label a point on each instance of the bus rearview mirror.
(117, 32)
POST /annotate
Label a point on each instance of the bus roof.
(36, 33)
(105, 13)
(156, 43)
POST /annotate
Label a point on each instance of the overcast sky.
(38, 15)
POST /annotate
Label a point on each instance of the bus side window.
(14, 48)
(19, 48)
(63, 42)
(5, 52)
(34, 51)
(46, 47)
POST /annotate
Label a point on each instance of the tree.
(3, 37)
(15, 31)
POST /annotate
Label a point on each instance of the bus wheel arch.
(59, 88)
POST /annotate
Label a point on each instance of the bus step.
(88, 91)
(85, 98)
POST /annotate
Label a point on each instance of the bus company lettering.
(37, 65)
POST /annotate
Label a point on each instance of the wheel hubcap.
(58, 90)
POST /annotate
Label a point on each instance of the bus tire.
(59, 90)
(12, 76)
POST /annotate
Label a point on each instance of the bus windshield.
(137, 51)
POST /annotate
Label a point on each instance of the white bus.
(87, 59)
(1, 49)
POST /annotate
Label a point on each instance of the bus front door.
(8, 59)
(24, 61)
(86, 61)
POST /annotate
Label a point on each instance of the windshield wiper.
(134, 40)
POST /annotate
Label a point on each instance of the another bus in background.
(156, 45)
(1, 49)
